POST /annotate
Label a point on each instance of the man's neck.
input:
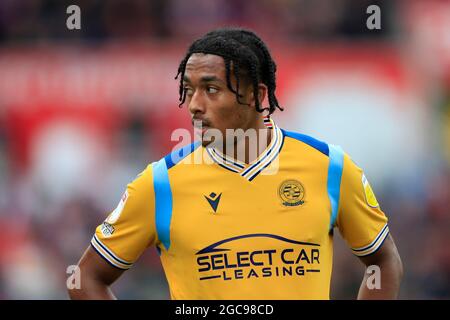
(248, 148)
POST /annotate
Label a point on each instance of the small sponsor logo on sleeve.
(370, 196)
(107, 229)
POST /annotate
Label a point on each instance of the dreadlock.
(246, 53)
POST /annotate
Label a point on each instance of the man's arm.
(391, 272)
(96, 275)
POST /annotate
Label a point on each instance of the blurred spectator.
(64, 164)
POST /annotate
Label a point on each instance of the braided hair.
(246, 53)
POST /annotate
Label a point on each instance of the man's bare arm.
(96, 275)
(391, 267)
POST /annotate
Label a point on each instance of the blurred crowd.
(56, 187)
(164, 19)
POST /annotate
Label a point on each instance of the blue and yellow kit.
(229, 230)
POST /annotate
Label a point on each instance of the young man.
(242, 225)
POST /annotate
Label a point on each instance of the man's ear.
(262, 93)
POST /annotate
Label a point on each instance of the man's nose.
(196, 103)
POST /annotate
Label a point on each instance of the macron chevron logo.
(213, 200)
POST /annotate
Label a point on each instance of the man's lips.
(200, 125)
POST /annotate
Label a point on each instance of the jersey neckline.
(252, 170)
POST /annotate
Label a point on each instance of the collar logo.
(213, 200)
(292, 193)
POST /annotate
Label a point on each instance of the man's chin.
(210, 142)
(199, 136)
(208, 138)
(205, 143)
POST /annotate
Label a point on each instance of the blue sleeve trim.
(163, 191)
(163, 201)
(316, 144)
(335, 167)
(181, 153)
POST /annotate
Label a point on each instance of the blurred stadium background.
(82, 112)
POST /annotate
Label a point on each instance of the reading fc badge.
(292, 193)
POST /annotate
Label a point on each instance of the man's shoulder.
(303, 139)
(175, 157)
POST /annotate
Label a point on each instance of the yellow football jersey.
(229, 230)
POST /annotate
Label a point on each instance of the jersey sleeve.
(361, 222)
(130, 228)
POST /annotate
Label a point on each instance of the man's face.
(209, 100)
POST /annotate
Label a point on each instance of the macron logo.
(213, 200)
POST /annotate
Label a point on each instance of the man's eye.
(188, 91)
(212, 90)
